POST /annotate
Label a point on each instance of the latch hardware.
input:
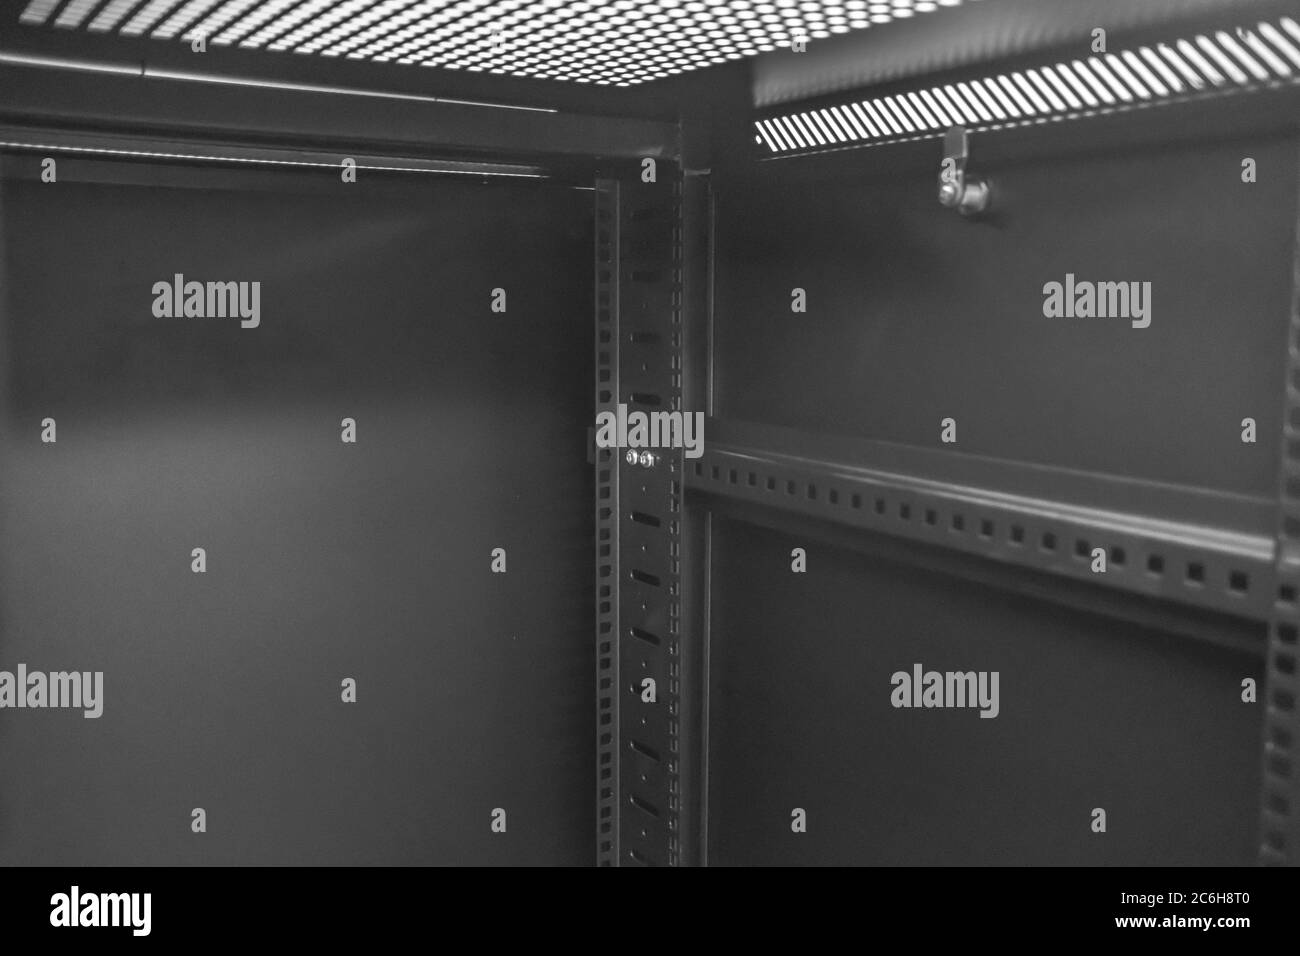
(969, 195)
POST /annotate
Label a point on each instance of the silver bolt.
(647, 460)
(631, 456)
(975, 199)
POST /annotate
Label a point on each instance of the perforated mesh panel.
(624, 42)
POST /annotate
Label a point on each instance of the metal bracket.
(969, 195)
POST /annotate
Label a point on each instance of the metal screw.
(647, 460)
(631, 457)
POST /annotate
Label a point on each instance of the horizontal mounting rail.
(1225, 570)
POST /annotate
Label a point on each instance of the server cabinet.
(988, 311)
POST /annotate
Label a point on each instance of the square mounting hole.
(1286, 633)
(1048, 542)
(1195, 573)
(986, 528)
(699, 468)
(716, 472)
(880, 506)
(1155, 564)
(771, 483)
(833, 496)
(931, 517)
(1017, 534)
(1286, 593)
(1118, 556)
(753, 479)
(856, 501)
(1238, 581)
(731, 476)
(904, 511)
(789, 487)
(958, 523)
(1081, 548)
(812, 492)
(1277, 763)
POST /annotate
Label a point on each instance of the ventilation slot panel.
(1260, 57)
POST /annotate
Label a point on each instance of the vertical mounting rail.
(1280, 813)
(638, 521)
(607, 513)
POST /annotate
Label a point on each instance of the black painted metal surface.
(239, 110)
(1094, 713)
(915, 315)
(325, 560)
